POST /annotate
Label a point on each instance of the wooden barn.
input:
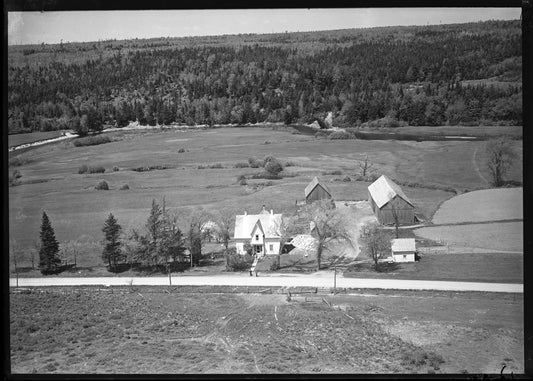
(315, 191)
(387, 200)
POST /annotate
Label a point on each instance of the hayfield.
(150, 331)
(504, 236)
(488, 219)
(483, 205)
(51, 181)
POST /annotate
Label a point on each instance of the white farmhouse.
(403, 249)
(259, 230)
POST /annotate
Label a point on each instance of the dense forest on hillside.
(460, 74)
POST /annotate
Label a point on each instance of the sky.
(77, 26)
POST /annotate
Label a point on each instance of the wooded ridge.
(457, 74)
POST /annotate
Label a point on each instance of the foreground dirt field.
(150, 331)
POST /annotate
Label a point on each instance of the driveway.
(321, 280)
(356, 215)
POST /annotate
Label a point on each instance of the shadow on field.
(383, 267)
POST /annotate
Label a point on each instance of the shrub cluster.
(255, 163)
(124, 187)
(239, 262)
(151, 168)
(265, 175)
(92, 140)
(242, 165)
(336, 172)
(181, 150)
(116, 169)
(102, 185)
(90, 169)
(384, 122)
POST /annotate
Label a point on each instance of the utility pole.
(335, 280)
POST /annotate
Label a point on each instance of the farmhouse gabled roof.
(403, 244)
(384, 189)
(246, 223)
(309, 188)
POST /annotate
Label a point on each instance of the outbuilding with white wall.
(403, 249)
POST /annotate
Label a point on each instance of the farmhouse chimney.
(264, 209)
(271, 211)
(245, 213)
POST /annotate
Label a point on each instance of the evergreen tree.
(112, 252)
(49, 252)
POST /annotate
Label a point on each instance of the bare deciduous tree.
(197, 220)
(500, 158)
(225, 220)
(366, 166)
(284, 228)
(377, 244)
(327, 226)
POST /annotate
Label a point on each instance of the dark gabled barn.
(387, 199)
(315, 191)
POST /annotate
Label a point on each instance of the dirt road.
(356, 215)
(322, 280)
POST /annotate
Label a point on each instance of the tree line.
(412, 78)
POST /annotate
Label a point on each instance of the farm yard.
(199, 169)
(150, 331)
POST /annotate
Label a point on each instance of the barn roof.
(384, 189)
(309, 188)
(403, 244)
(245, 224)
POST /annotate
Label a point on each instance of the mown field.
(150, 331)
(481, 206)
(50, 179)
(488, 219)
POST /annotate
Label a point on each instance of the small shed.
(403, 249)
(389, 201)
(315, 191)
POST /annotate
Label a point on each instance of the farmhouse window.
(257, 237)
(404, 256)
(271, 247)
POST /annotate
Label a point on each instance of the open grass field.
(150, 331)
(488, 219)
(469, 267)
(504, 236)
(18, 139)
(50, 181)
(483, 205)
